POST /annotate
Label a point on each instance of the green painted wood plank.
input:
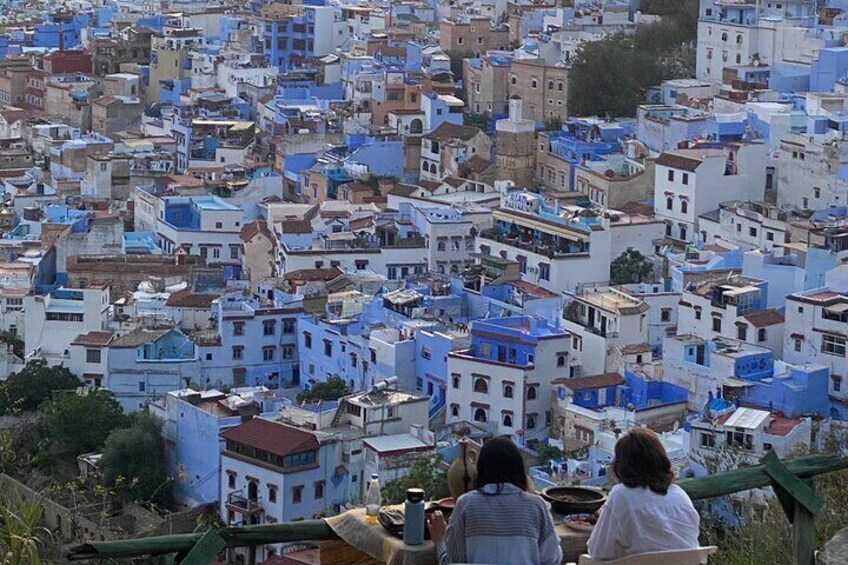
(804, 536)
(795, 487)
(756, 477)
(206, 549)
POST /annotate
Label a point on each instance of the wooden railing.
(790, 478)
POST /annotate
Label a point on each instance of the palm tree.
(21, 536)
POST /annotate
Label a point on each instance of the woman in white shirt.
(645, 512)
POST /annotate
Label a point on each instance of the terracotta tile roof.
(592, 381)
(313, 274)
(764, 318)
(477, 164)
(295, 226)
(448, 131)
(678, 161)
(251, 229)
(272, 437)
(187, 298)
(93, 339)
(634, 348)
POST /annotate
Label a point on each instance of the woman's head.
(641, 461)
(500, 462)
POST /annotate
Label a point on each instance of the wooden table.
(365, 542)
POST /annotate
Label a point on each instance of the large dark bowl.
(574, 500)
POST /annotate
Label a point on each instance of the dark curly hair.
(641, 461)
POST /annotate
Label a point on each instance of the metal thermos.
(413, 517)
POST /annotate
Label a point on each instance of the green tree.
(133, 462)
(32, 385)
(609, 77)
(630, 267)
(427, 473)
(331, 389)
(81, 424)
(21, 535)
(547, 452)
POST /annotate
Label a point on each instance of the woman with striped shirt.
(500, 522)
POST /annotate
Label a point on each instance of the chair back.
(697, 556)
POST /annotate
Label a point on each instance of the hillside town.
(254, 253)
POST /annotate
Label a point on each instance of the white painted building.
(748, 225)
(743, 436)
(54, 320)
(815, 332)
(503, 380)
(608, 328)
(733, 307)
(736, 171)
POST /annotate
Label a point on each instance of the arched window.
(669, 203)
(684, 205)
(480, 415)
(531, 422)
(454, 410)
(416, 126)
(507, 391)
(433, 169)
(481, 386)
(739, 39)
(456, 382)
(507, 420)
(531, 393)
(550, 85)
(512, 79)
(724, 36)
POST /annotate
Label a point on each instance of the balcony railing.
(247, 506)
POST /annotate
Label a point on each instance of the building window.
(268, 353)
(685, 179)
(297, 494)
(742, 332)
(142, 386)
(507, 391)
(531, 421)
(797, 345)
(425, 352)
(761, 335)
(544, 271)
(481, 386)
(669, 203)
(670, 175)
(507, 420)
(769, 236)
(833, 345)
(307, 340)
(328, 348)
(837, 383)
(707, 440)
(288, 326)
(319, 490)
(697, 313)
(234, 252)
(92, 356)
(684, 206)
(816, 192)
(531, 393)
(480, 415)
(272, 493)
(560, 359)
(534, 83)
(717, 324)
(665, 315)
(231, 479)
(455, 381)
(752, 231)
(238, 352)
(269, 327)
(238, 328)
(455, 410)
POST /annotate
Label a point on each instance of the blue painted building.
(792, 390)
(47, 34)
